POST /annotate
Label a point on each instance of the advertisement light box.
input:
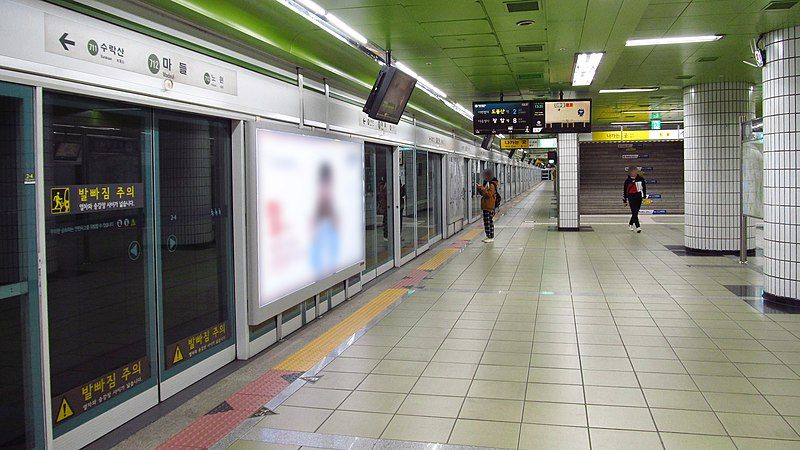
(310, 212)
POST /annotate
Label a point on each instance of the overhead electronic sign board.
(518, 117)
(568, 116)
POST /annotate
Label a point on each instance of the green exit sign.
(655, 115)
(655, 124)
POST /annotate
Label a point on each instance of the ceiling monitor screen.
(518, 117)
(310, 196)
(568, 116)
(390, 95)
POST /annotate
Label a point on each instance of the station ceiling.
(480, 49)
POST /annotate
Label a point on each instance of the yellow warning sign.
(178, 355)
(59, 201)
(64, 411)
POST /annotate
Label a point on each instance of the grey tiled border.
(337, 442)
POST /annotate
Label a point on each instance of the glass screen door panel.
(384, 202)
(21, 400)
(422, 198)
(99, 254)
(434, 194)
(408, 218)
(195, 248)
(466, 193)
(370, 209)
(477, 166)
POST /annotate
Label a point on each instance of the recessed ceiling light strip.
(342, 31)
(673, 40)
(586, 65)
(626, 90)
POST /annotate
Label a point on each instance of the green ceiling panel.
(470, 48)
(665, 10)
(457, 27)
(466, 40)
(466, 52)
(480, 61)
(377, 15)
(438, 11)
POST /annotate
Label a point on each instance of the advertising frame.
(258, 314)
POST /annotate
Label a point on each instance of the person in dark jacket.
(488, 191)
(633, 192)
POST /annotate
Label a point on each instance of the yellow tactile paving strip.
(313, 352)
(439, 259)
(471, 234)
(308, 356)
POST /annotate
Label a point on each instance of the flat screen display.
(310, 197)
(390, 95)
(568, 116)
(518, 117)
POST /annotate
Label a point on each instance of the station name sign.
(78, 41)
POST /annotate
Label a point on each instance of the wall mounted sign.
(637, 135)
(73, 40)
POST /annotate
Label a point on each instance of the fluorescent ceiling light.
(459, 109)
(424, 84)
(427, 85)
(313, 7)
(673, 40)
(629, 123)
(585, 67)
(336, 27)
(617, 91)
(406, 69)
(337, 22)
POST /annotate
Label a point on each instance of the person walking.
(634, 191)
(488, 191)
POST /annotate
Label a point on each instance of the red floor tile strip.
(209, 429)
(412, 279)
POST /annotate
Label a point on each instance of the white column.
(568, 215)
(781, 77)
(713, 114)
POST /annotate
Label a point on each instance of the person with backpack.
(633, 193)
(490, 200)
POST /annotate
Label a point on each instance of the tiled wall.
(781, 78)
(568, 216)
(712, 151)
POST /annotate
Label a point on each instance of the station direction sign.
(522, 144)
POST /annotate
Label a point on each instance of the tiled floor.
(560, 340)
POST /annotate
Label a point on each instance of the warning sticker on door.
(89, 395)
(82, 199)
(195, 344)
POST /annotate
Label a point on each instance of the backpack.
(497, 197)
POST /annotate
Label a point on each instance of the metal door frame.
(117, 415)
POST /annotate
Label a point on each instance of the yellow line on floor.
(313, 352)
(438, 259)
(471, 234)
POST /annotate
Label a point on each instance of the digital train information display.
(568, 116)
(508, 117)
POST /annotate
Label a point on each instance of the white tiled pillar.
(781, 78)
(568, 216)
(713, 114)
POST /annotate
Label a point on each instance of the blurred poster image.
(311, 210)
